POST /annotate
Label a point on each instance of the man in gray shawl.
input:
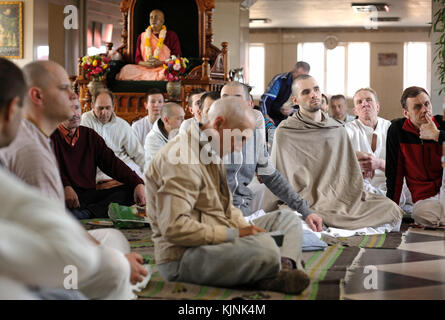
(314, 154)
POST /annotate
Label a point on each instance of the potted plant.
(174, 69)
(96, 67)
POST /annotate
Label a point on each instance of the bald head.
(42, 73)
(296, 82)
(172, 115)
(169, 109)
(235, 111)
(156, 20)
(235, 89)
(50, 95)
(230, 122)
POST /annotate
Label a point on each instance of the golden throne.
(192, 22)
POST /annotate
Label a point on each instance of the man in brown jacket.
(199, 236)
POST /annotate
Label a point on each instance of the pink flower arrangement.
(96, 66)
(174, 68)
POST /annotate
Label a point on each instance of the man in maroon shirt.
(79, 151)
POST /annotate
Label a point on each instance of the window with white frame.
(314, 54)
(415, 65)
(256, 70)
(342, 70)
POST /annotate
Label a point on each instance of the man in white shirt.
(338, 108)
(164, 129)
(155, 101)
(368, 136)
(195, 109)
(116, 132)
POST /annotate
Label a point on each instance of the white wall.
(231, 24)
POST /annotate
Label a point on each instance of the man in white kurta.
(368, 136)
(116, 132)
(141, 127)
(42, 245)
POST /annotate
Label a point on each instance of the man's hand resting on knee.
(137, 270)
(250, 230)
(71, 199)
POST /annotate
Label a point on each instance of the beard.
(312, 108)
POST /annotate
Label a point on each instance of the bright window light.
(256, 70)
(93, 50)
(358, 66)
(415, 65)
(313, 53)
(335, 71)
(42, 52)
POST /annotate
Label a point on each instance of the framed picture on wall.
(387, 59)
(11, 29)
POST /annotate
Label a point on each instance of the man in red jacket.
(80, 151)
(413, 151)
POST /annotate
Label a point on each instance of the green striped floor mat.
(383, 241)
(325, 268)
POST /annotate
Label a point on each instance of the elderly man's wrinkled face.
(365, 105)
(156, 20)
(103, 108)
(308, 96)
(175, 119)
(417, 108)
(338, 109)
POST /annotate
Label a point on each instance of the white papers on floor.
(344, 233)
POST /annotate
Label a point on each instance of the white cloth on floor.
(336, 232)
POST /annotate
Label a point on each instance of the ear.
(218, 123)
(354, 110)
(378, 108)
(35, 95)
(294, 100)
(405, 113)
(199, 112)
(190, 109)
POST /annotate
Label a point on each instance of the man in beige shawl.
(314, 153)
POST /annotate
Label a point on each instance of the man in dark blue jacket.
(278, 92)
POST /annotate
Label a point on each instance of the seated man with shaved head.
(30, 156)
(199, 236)
(327, 176)
(165, 128)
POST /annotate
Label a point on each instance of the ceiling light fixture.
(367, 7)
(261, 20)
